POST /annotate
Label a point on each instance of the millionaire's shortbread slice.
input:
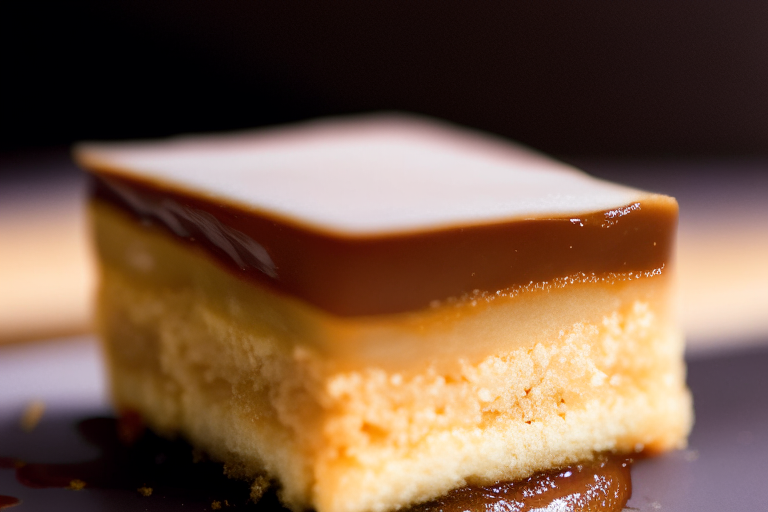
(372, 312)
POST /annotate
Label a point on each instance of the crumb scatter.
(76, 484)
(32, 415)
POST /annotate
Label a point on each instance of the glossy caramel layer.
(603, 485)
(368, 275)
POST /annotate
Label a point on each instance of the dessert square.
(372, 312)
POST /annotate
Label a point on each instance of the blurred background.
(668, 96)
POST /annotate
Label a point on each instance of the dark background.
(641, 78)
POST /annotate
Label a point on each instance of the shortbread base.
(378, 413)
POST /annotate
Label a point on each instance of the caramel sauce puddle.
(8, 501)
(603, 485)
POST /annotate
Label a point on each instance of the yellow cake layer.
(376, 413)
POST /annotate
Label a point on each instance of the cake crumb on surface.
(259, 487)
(76, 484)
(32, 415)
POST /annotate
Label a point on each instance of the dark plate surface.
(723, 469)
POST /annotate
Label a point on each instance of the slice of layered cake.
(374, 312)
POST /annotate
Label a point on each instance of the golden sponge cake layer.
(356, 414)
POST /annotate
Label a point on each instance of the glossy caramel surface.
(600, 486)
(369, 275)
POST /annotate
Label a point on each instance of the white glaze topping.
(365, 175)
